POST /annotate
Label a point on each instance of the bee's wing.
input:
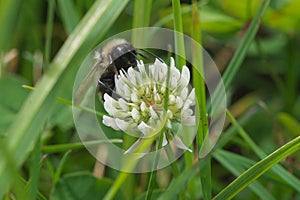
(90, 83)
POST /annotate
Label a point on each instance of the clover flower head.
(141, 106)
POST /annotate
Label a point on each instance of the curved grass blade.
(24, 131)
(236, 164)
(258, 169)
(240, 54)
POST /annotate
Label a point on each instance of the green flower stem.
(141, 18)
(180, 182)
(128, 166)
(174, 167)
(154, 171)
(179, 41)
(170, 155)
(132, 161)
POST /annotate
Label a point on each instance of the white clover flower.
(140, 109)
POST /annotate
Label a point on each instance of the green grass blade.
(49, 29)
(291, 76)
(153, 173)
(258, 169)
(279, 170)
(141, 18)
(32, 116)
(199, 85)
(180, 182)
(60, 168)
(179, 41)
(142, 12)
(35, 170)
(179, 60)
(9, 10)
(69, 14)
(232, 130)
(235, 164)
(240, 54)
(168, 18)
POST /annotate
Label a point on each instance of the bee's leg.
(107, 85)
(111, 70)
(106, 82)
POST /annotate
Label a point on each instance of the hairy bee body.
(115, 55)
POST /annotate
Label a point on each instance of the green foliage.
(72, 187)
(255, 45)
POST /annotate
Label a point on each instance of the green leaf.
(291, 8)
(243, 9)
(289, 123)
(284, 15)
(215, 21)
(81, 186)
(277, 4)
(240, 54)
(212, 20)
(12, 96)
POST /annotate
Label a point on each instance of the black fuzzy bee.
(116, 55)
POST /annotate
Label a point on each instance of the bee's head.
(124, 56)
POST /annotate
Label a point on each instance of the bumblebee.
(116, 55)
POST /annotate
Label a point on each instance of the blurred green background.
(264, 93)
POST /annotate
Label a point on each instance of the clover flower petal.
(109, 121)
(140, 107)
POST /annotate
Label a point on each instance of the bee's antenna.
(143, 55)
(152, 54)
